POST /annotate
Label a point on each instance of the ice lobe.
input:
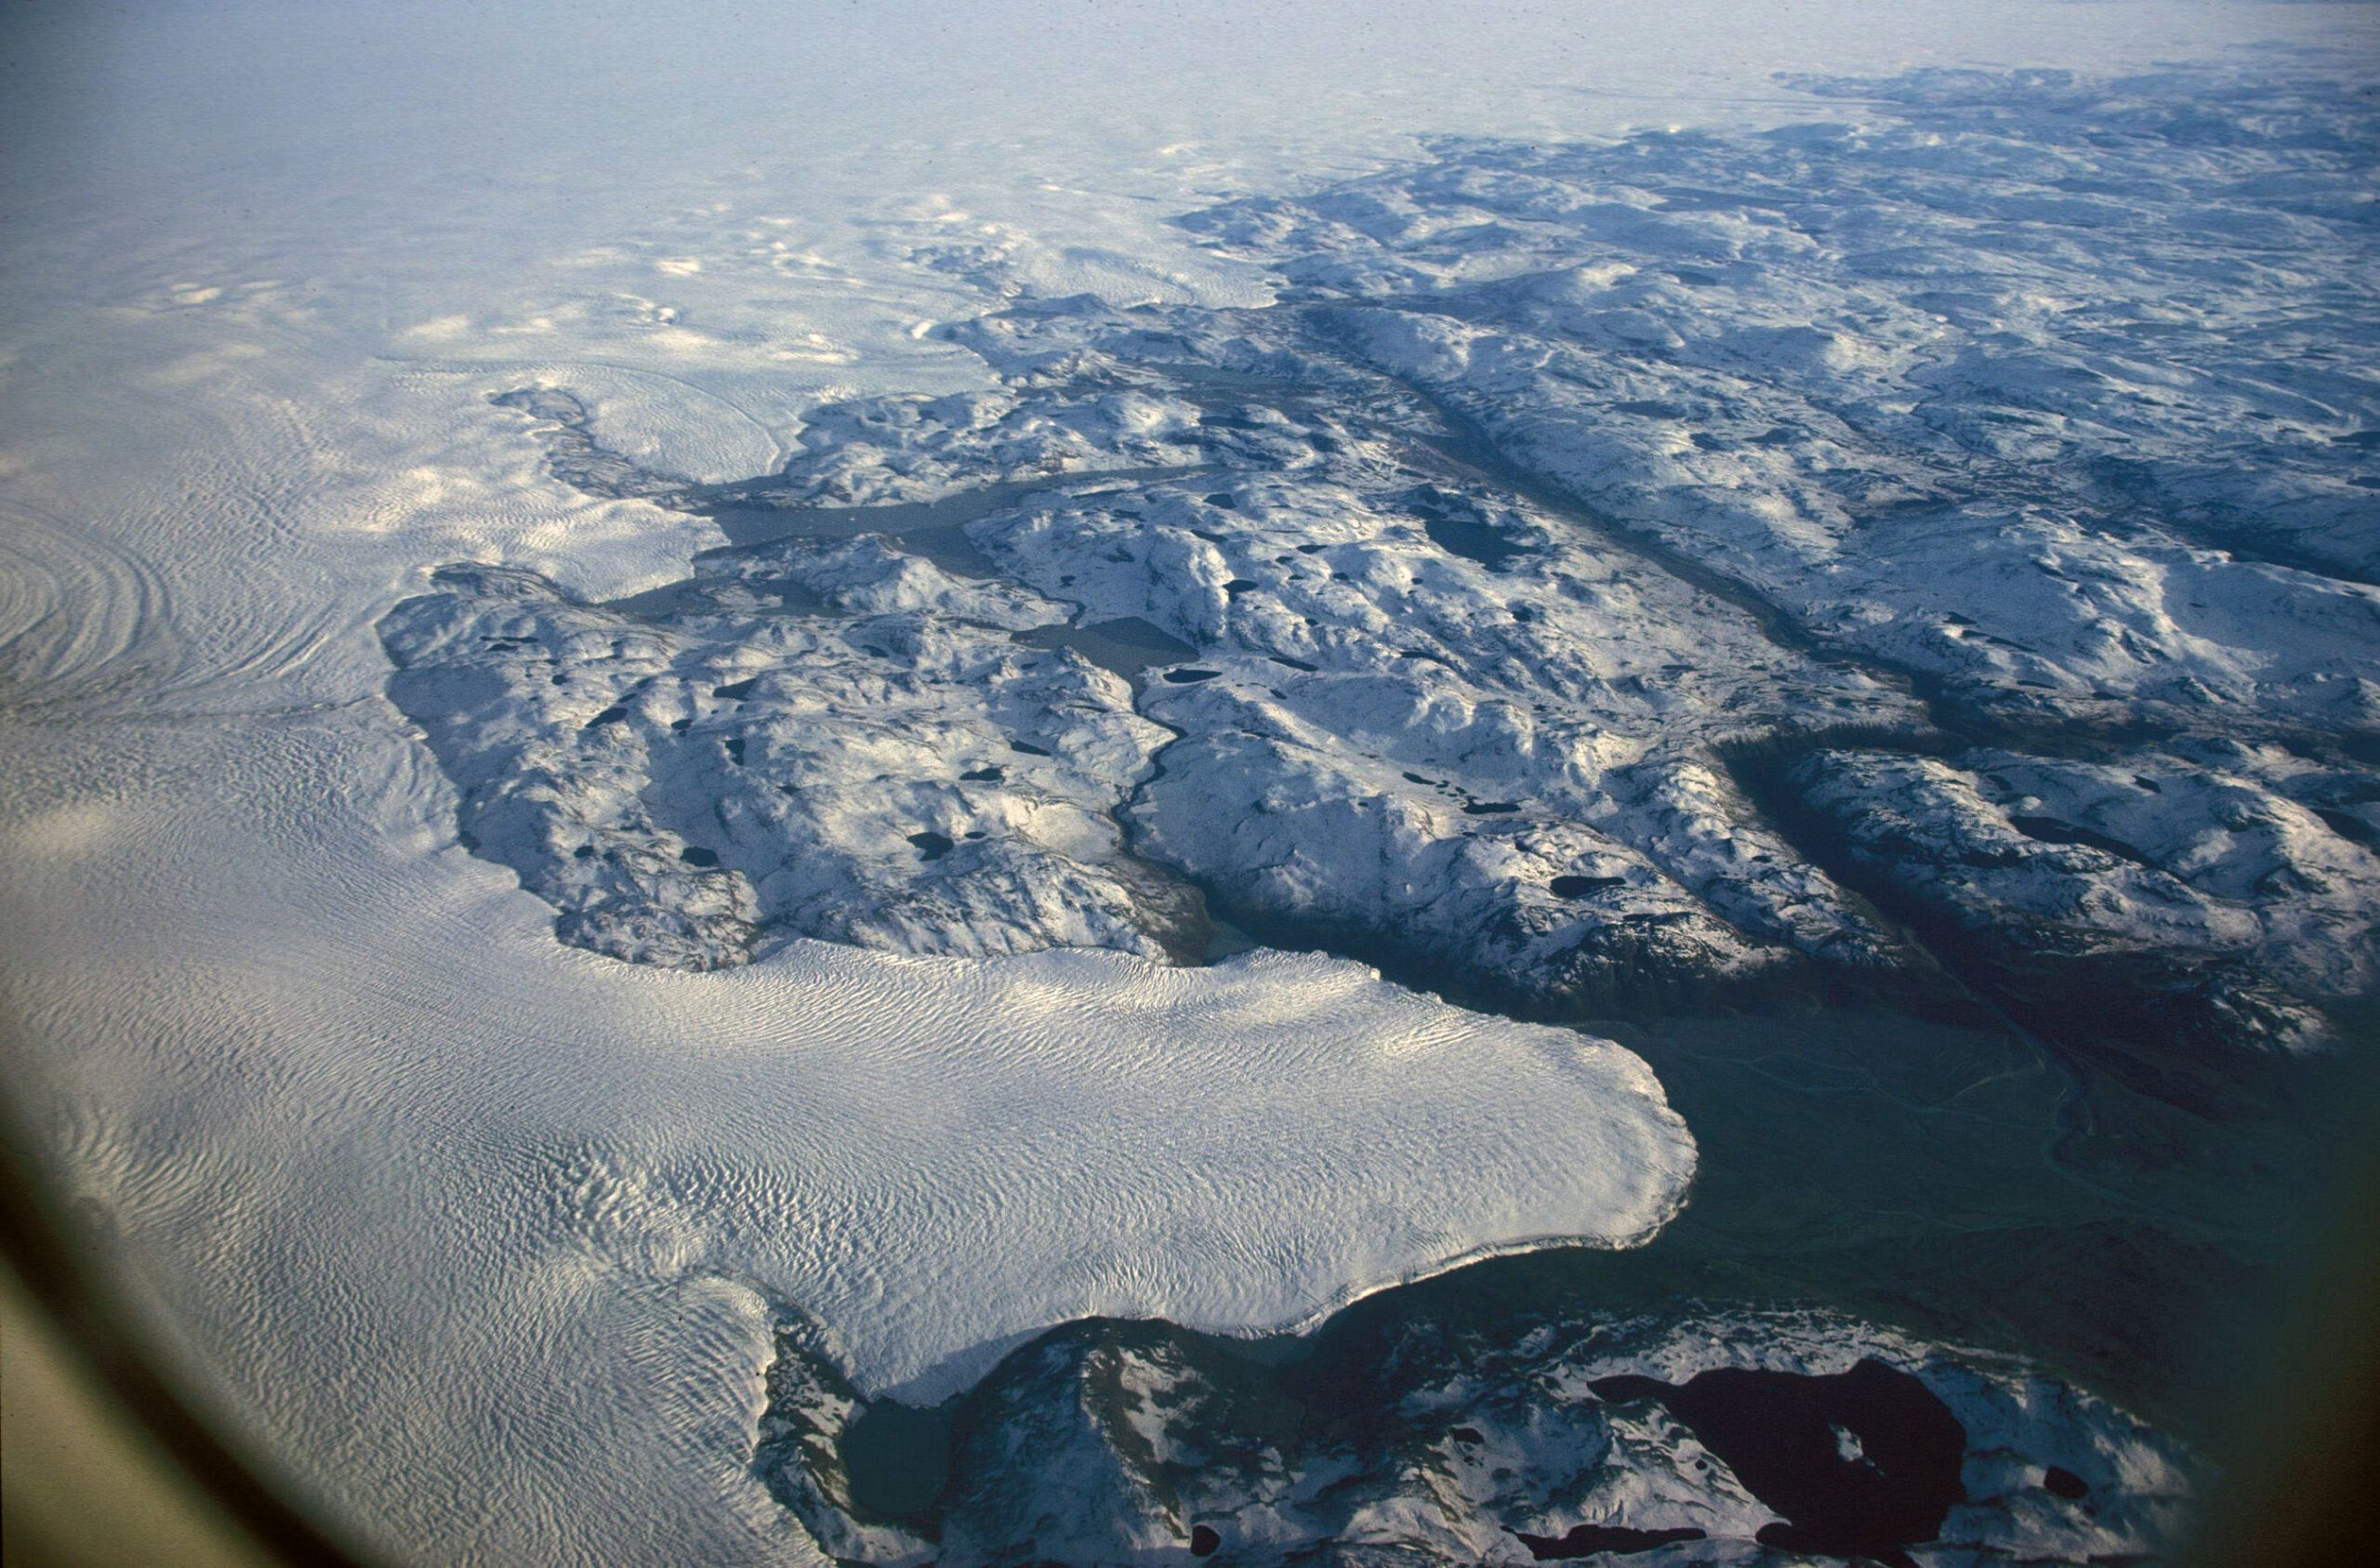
(1743, 1433)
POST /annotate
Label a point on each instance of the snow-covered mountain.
(1604, 571)
(780, 474)
(1747, 1438)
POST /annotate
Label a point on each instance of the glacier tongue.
(2033, 408)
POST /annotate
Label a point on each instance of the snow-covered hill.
(1477, 603)
(1717, 1438)
(591, 342)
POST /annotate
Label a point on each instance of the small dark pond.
(1864, 1463)
(1470, 538)
(1127, 646)
(1592, 1540)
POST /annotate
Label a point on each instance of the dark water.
(1863, 1463)
(711, 596)
(1457, 527)
(936, 530)
(1128, 646)
(1958, 1183)
(1951, 1179)
(1939, 1171)
(897, 1457)
(1596, 1540)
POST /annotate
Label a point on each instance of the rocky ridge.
(1604, 571)
(1725, 1438)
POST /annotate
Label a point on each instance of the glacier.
(1749, 607)
(497, 1245)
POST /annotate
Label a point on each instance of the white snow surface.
(480, 1230)
(473, 1230)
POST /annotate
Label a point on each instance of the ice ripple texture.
(480, 1217)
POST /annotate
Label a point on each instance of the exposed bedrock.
(797, 1451)
(1863, 1463)
(2177, 902)
(901, 775)
(1503, 774)
(1611, 577)
(565, 429)
(1112, 1443)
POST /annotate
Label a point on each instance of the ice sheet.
(480, 1233)
(475, 1230)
